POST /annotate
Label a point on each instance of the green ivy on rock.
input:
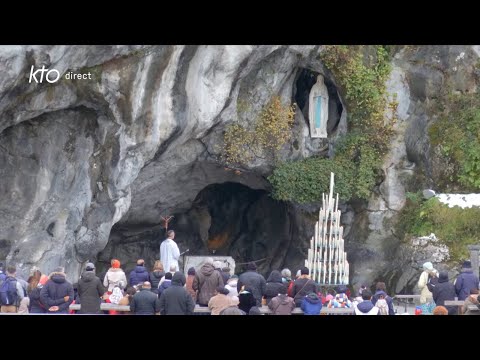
(454, 227)
(455, 139)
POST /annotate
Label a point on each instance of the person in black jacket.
(246, 300)
(253, 280)
(303, 286)
(274, 285)
(166, 284)
(139, 274)
(57, 294)
(465, 281)
(175, 300)
(156, 275)
(145, 302)
(225, 275)
(443, 291)
(33, 292)
(90, 290)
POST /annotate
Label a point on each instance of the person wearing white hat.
(426, 298)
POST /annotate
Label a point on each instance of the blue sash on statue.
(318, 111)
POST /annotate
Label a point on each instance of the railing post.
(474, 250)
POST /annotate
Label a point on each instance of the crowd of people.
(211, 286)
(436, 289)
(165, 293)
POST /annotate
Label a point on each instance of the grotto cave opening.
(229, 219)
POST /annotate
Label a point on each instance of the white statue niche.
(318, 109)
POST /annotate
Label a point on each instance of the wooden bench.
(264, 310)
(458, 303)
(202, 309)
(337, 311)
(109, 306)
(104, 307)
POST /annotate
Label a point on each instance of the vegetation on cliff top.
(455, 142)
(454, 227)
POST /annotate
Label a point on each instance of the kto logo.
(51, 75)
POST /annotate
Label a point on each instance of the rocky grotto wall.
(423, 78)
(77, 154)
(89, 166)
(224, 219)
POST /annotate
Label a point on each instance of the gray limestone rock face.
(406, 267)
(142, 138)
(419, 77)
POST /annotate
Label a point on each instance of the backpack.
(432, 282)
(8, 292)
(290, 288)
(382, 306)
